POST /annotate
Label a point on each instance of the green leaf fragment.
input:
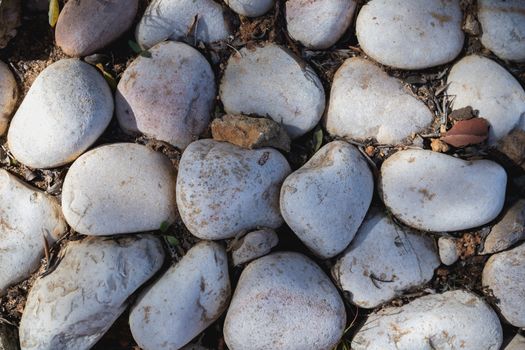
(172, 240)
(112, 82)
(317, 139)
(164, 226)
(54, 11)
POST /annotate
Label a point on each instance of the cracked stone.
(253, 245)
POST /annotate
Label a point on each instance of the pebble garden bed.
(259, 174)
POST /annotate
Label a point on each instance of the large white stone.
(253, 245)
(284, 301)
(28, 217)
(182, 20)
(223, 189)
(452, 320)
(272, 81)
(64, 112)
(504, 275)
(367, 103)
(436, 192)
(411, 34)
(250, 8)
(383, 261)
(73, 306)
(189, 297)
(325, 201)
(8, 96)
(318, 24)
(509, 230)
(503, 26)
(168, 96)
(119, 188)
(486, 86)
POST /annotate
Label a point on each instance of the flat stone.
(487, 87)
(411, 34)
(189, 297)
(504, 275)
(28, 216)
(223, 189)
(513, 146)
(271, 81)
(503, 25)
(182, 20)
(8, 96)
(10, 19)
(290, 303)
(73, 306)
(119, 188)
(331, 17)
(84, 27)
(249, 132)
(253, 245)
(8, 337)
(365, 102)
(509, 230)
(250, 8)
(517, 343)
(325, 201)
(448, 250)
(64, 112)
(383, 261)
(168, 96)
(432, 191)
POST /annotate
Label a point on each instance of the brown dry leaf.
(467, 132)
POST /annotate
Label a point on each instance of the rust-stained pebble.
(253, 245)
(8, 96)
(509, 230)
(513, 146)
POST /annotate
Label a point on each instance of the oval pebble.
(432, 191)
(27, 217)
(223, 189)
(486, 86)
(410, 34)
(383, 261)
(503, 26)
(452, 320)
(119, 188)
(168, 96)
(189, 297)
(509, 230)
(325, 201)
(64, 112)
(250, 8)
(84, 27)
(290, 303)
(8, 96)
(448, 250)
(331, 17)
(504, 275)
(73, 306)
(175, 20)
(365, 102)
(254, 245)
(271, 81)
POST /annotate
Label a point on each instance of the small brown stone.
(462, 114)
(438, 146)
(471, 25)
(250, 132)
(513, 146)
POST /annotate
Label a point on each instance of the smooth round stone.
(64, 112)
(331, 17)
(365, 102)
(452, 320)
(410, 34)
(254, 245)
(325, 201)
(119, 188)
(8, 96)
(486, 86)
(223, 189)
(250, 8)
(271, 81)
(84, 27)
(73, 306)
(503, 26)
(448, 250)
(383, 261)
(189, 297)
(432, 191)
(27, 217)
(504, 274)
(509, 230)
(284, 301)
(168, 96)
(175, 20)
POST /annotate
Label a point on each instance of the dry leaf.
(467, 132)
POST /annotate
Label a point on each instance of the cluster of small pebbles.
(335, 251)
